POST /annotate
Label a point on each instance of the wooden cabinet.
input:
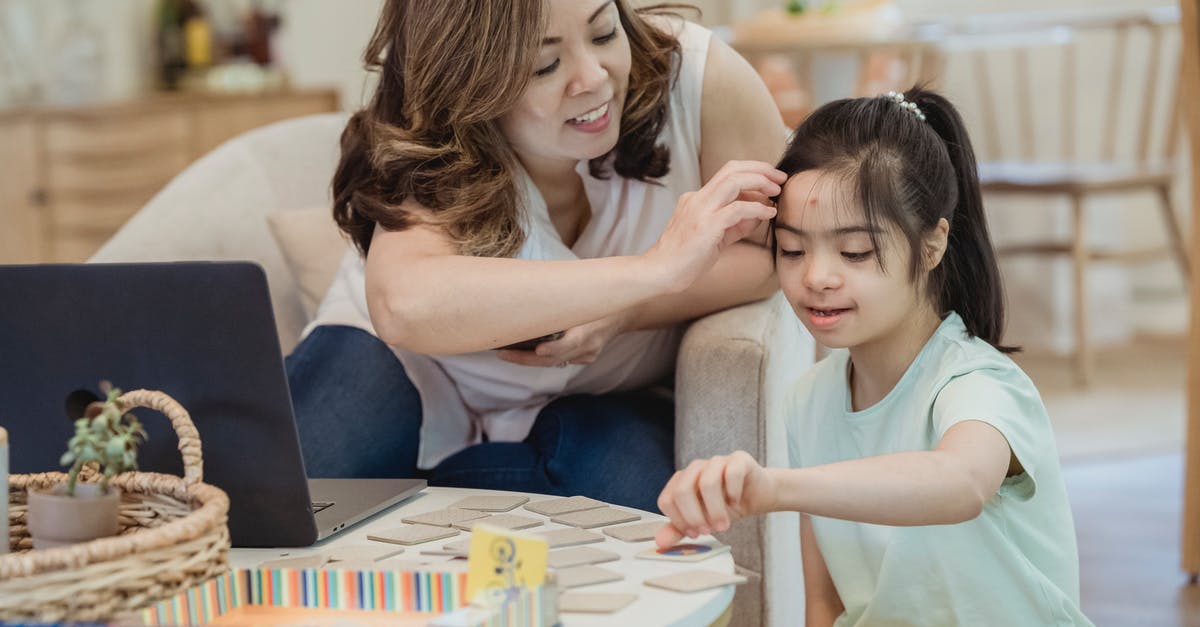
(70, 177)
(20, 218)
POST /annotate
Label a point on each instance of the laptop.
(204, 333)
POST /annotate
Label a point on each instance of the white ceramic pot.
(56, 519)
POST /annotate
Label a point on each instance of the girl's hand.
(710, 495)
(579, 345)
(728, 208)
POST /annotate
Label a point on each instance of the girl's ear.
(935, 244)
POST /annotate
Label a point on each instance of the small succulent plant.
(104, 435)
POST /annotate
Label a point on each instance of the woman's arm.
(423, 296)
(822, 605)
(738, 120)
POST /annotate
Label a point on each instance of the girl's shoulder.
(962, 358)
(958, 350)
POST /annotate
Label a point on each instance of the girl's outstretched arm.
(822, 605)
(947, 485)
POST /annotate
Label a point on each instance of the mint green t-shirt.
(1015, 564)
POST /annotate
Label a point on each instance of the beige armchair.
(732, 365)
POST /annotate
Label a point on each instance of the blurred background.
(1073, 107)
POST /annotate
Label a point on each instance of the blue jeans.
(358, 415)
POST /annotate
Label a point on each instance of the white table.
(653, 606)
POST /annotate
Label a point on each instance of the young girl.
(923, 463)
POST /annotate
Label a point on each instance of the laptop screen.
(202, 332)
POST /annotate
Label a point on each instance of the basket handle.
(185, 429)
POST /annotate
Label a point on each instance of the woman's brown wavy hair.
(447, 72)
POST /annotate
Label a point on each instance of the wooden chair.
(1032, 162)
(792, 69)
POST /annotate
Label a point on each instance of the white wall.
(31, 31)
(322, 43)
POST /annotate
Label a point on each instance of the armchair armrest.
(733, 371)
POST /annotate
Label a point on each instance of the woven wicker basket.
(173, 535)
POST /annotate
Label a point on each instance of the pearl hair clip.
(898, 98)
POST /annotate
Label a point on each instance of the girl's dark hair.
(910, 173)
(448, 70)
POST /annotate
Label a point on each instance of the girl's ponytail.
(968, 278)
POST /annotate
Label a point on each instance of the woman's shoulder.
(690, 35)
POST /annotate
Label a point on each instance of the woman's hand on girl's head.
(728, 208)
(710, 495)
(579, 345)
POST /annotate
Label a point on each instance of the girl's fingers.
(666, 503)
(668, 536)
(735, 482)
(712, 491)
(686, 502)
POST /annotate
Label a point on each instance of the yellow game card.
(504, 558)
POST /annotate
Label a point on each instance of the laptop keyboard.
(320, 505)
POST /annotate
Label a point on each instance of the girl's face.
(571, 110)
(830, 272)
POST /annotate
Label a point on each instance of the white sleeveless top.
(464, 396)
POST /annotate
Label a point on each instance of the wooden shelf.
(71, 176)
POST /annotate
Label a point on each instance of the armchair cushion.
(312, 248)
(216, 209)
(733, 370)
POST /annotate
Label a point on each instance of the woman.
(528, 167)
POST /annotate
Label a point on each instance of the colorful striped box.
(422, 596)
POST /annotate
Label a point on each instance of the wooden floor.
(1127, 516)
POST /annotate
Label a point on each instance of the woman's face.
(572, 108)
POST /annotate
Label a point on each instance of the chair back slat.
(1112, 83)
(912, 69)
(864, 60)
(932, 66)
(1069, 96)
(1174, 127)
(1150, 89)
(1108, 150)
(1025, 105)
(987, 104)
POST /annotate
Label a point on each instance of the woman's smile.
(593, 121)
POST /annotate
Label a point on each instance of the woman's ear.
(935, 244)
